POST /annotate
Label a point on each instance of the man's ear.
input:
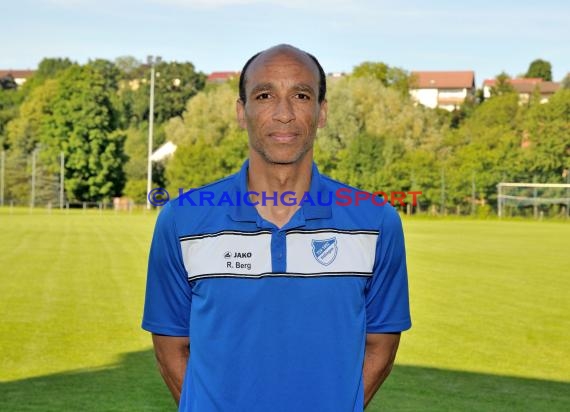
(323, 109)
(240, 112)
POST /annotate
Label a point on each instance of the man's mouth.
(283, 137)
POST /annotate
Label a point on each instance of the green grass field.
(490, 306)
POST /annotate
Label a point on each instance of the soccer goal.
(522, 198)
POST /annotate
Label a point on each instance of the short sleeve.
(168, 293)
(387, 300)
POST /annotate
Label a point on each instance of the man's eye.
(263, 96)
(303, 96)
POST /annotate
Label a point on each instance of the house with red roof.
(525, 87)
(19, 76)
(221, 77)
(444, 89)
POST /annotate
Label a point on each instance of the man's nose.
(284, 111)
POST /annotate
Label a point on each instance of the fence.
(34, 179)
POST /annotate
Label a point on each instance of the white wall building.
(20, 76)
(446, 90)
(525, 87)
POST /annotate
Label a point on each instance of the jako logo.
(238, 255)
(242, 255)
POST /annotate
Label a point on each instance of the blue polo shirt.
(277, 317)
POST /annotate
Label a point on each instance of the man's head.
(282, 103)
(322, 75)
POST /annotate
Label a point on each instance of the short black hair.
(322, 76)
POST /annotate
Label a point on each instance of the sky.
(485, 36)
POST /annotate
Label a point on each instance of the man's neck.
(268, 178)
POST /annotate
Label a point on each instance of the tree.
(377, 139)
(129, 66)
(548, 128)
(8, 83)
(566, 82)
(200, 163)
(23, 136)
(83, 124)
(10, 100)
(540, 69)
(25, 131)
(175, 83)
(373, 70)
(365, 107)
(490, 157)
(370, 162)
(210, 143)
(502, 85)
(9, 103)
(486, 149)
(394, 77)
(136, 167)
(108, 71)
(48, 68)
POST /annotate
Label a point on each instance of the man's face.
(282, 112)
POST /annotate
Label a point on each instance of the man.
(265, 306)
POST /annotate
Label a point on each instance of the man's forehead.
(283, 59)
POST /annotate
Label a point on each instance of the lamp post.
(152, 61)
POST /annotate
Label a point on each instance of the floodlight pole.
(152, 60)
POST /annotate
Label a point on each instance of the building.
(525, 87)
(20, 76)
(446, 89)
(221, 77)
(333, 77)
(163, 152)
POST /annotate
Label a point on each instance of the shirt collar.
(247, 213)
(242, 212)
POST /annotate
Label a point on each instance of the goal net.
(533, 199)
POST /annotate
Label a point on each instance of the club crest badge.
(325, 250)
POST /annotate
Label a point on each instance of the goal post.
(535, 195)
